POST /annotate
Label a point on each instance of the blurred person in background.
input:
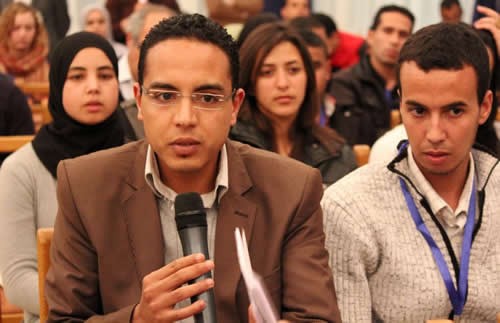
(83, 102)
(281, 106)
(451, 11)
(295, 8)
(95, 18)
(23, 44)
(120, 10)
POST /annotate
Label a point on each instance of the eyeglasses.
(200, 101)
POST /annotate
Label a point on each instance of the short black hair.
(327, 22)
(447, 46)
(391, 8)
(447, 4)
(195, 27)
(313, 40)
(306, 23)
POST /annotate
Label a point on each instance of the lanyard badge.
(457, 295)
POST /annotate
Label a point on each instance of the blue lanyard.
(457, 297)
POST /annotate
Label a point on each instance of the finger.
(174, 315)
(187, 274)
(171, 298)
(487, 25)
(251, 317)
(487, 11)
(177, 265)
(152, 286)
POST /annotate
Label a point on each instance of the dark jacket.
(15, 113)
(362, 112)
(332, 158)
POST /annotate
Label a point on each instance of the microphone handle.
(194, 240)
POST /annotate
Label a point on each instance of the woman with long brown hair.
(23, 44)
(281, 103)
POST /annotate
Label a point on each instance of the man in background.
(138, 25)
(451, 11)
(365, 94)
(295, 8)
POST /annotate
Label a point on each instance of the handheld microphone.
(191, 221)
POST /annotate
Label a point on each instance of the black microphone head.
(189, 211)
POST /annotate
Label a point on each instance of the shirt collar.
(162, 191)
(436, 203)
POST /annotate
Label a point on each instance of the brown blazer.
(108, 237)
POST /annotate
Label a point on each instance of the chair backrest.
(9, 312)
(362, 153)
(41, 114)
(9, 144)
(395, 118)
(38, 90)
(497, 117)
(44, 239)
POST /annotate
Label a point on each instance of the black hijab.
(65, 137)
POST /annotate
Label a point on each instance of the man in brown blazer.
(116, 254)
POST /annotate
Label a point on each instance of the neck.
(18, 53)
(386, 71)
(182, 182)
(450, 186)
(282, 140)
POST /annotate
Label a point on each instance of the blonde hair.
(8, 18)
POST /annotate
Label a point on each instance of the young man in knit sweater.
(403, 236)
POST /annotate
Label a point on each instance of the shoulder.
(263, 165)
(117, 161)
(346, 74)
(24, 165)
(367, 183)
(247, 133)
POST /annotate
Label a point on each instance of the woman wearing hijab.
(83, 101)
(23, 44)
(96, 19)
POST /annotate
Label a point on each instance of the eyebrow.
(449, 105)
(286, 63)
(81, 68)
(203, 87)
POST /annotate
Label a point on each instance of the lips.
(284, 99)
(93, 106)
(436, 157)
(185, 146)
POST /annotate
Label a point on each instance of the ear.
(485, 107)
(237, 101)
(283, 12)
(138, 100)
(369, 37)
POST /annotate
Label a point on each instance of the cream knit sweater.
(382, 266)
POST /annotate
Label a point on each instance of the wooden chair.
(361, 152)
(41, 114)
(9, 312)
(498, 115)
(395, 118)
(498, 318)
(44, 239)
(37, 90)
(9, 144)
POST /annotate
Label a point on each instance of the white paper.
(262, 307)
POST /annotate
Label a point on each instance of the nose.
(93, 83)
(282, 78)
(435, 131)
(185, 114)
